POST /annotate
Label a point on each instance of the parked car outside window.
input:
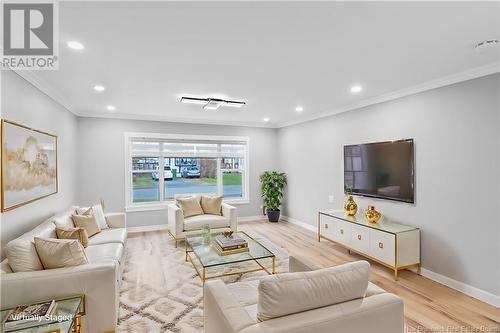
(191, 172)
(167, 174)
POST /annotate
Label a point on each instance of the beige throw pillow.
(190, 206)
(86, 222)
(57, 253)
(211, 204)
(73, 233)
(22, 256)
(288, 293)
(98, 213)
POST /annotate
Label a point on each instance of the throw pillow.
(190, 206)
(63, 219)
(288, 293)
(86, 222)
(74, 233)
(211, 204)
(98, 214)
(22, 256)
(57, 253)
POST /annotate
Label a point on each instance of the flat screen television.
(383, 170)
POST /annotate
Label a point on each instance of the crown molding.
(46, 88)
(470, 74)
(433, 84)
(201, 121)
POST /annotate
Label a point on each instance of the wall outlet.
(330, 198)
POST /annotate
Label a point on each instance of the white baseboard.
(300, 223)
(145, 228)
(469, 290)
(251, 218)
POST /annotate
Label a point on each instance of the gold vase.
(350, 206)
(372, 215)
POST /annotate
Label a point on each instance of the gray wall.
(456, 131)
(101, 170)
(25, 104)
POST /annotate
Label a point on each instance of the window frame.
(131, 206)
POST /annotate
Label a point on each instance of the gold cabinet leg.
(203, 277)
(395, 274)
(419, 269)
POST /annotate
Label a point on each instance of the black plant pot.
(273, 215)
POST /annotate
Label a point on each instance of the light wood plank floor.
(429, 306)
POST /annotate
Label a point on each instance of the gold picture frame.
(45, 180)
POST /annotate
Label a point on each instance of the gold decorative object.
(350, 206)
(372, 215)
(227, 233)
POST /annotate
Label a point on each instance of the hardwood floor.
(429, 306)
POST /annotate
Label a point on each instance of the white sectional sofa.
(98, 280)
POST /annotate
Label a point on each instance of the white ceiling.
(274, 55)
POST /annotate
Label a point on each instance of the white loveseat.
(179, 226)
(98, 280)
(234, 307)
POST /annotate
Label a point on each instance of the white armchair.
(179, 226)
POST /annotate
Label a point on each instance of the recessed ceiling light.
(110, 108)
(99, 88)
(356, 89)
(266, 119)
(75, 45)
(299, 109)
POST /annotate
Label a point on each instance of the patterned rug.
(161, 292)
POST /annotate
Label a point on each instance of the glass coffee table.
(204, 256)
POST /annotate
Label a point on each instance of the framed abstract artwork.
(29, 165)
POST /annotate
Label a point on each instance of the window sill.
(146, 207)
(164, 205)
(236, 201)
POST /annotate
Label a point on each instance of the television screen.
(382, 170)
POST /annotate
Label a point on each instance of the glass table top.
(384, 224)
(66, 311)
(209, 257)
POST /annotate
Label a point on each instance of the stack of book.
(230, 245)
(26, 316)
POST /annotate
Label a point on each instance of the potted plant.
(272, 185)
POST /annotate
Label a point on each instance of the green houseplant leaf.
(272, 186)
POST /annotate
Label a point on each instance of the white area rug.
(161, 292)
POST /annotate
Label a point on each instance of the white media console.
(391, 244)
